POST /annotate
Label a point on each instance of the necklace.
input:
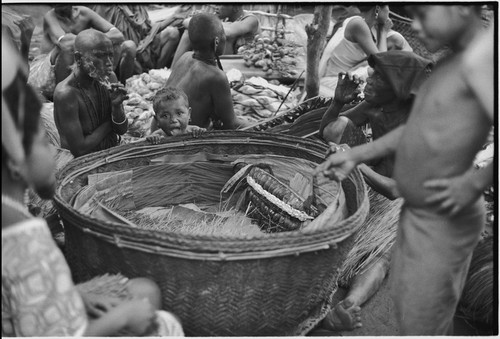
(93, 112)
(209, 61)
(16, 205)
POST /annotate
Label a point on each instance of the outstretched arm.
(66, 111)
(380, 183)
(338, 166)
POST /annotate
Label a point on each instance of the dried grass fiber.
(375, 238)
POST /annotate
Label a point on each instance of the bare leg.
(127, 60)
(183, 47)
(169, 39)
(346, 315)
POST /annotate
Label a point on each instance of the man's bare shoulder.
(65, 91)
(187, 66)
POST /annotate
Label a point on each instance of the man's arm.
(223, 103)
(345, 92)
(118, 94)
(358, 31)
(338, 166)
(52, 27)
(239, 28)
(99, 23)
(69, 126)
(380, 183)
(454, 194)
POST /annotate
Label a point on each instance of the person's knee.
(145, 288)
(129, 48)
(170, 34)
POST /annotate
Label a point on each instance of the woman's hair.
(168, 94)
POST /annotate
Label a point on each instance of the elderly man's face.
(98, 62)
(378, 90)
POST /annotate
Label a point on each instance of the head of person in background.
(64, 11)
(394, 77)
(374, 14)
(440, 26)
(206, 34)
(229, 12)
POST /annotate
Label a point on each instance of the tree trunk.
(316, 37)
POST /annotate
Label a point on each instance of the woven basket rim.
(204, 246)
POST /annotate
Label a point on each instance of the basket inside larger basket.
(218, 285)
(186, 197)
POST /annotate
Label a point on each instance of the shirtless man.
(240, 28)
(198, 75)
(88, 116)
(443, 215)
(64, 22)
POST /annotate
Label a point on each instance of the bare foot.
(343, 317)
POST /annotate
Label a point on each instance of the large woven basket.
(281, 284)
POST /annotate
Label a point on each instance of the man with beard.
(61, 25)
(89, 116)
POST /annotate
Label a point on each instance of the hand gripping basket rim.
(200, 247)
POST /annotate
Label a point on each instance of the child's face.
(378, 90)
(438, 26)
(173, 116)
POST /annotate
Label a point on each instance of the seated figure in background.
(89, 117)
(61, 25)
(240, 28)
(389, 96)
(156, 41)
(352, 43)
(198, 74)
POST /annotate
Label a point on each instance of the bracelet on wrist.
(118, 123)
(60, 38)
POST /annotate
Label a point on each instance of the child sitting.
(172, 114)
